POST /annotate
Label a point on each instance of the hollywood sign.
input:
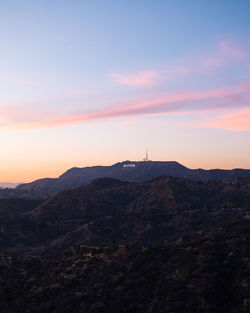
(128, 165)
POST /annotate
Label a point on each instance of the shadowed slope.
(112, 211)
(141, 171)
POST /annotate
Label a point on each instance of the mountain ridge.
(164, 245)
(132, 171)
(110, 211)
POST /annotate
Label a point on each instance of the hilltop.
(126, 171)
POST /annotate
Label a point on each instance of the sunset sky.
(92, 82)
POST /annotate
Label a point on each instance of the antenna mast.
(146, 159)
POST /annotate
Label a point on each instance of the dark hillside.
(109, 211)
(126, 171)
(166, 245)
(207, 272)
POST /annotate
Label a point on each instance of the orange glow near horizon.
(71, 96)
(26, 175)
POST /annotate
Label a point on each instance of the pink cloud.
(140, 79)
(213, 62)
(232, 51)
(193, 101)
(183, 70)
(225, 54)
(237, 121)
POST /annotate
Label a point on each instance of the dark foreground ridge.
(127, 171)
(110, 211)
(166, 245)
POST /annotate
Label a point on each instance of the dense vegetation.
(205, 273)
(167, 245)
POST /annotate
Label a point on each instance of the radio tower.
(146, 159)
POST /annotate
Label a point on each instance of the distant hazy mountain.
(127, 171)
(9, 185)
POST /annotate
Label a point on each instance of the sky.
(95, 82)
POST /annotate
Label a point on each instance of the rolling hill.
(110, 211)
(165, 245)
(126, 171)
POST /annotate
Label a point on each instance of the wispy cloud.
(72, 107)
(232, 50)
(193, 101)
(223, 55)
(139, 79)
(237, 121)
(226, 53)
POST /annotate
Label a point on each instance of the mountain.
(110, 211)
(8, 184)
(208, 272)
(127, 171)
(165, 245)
